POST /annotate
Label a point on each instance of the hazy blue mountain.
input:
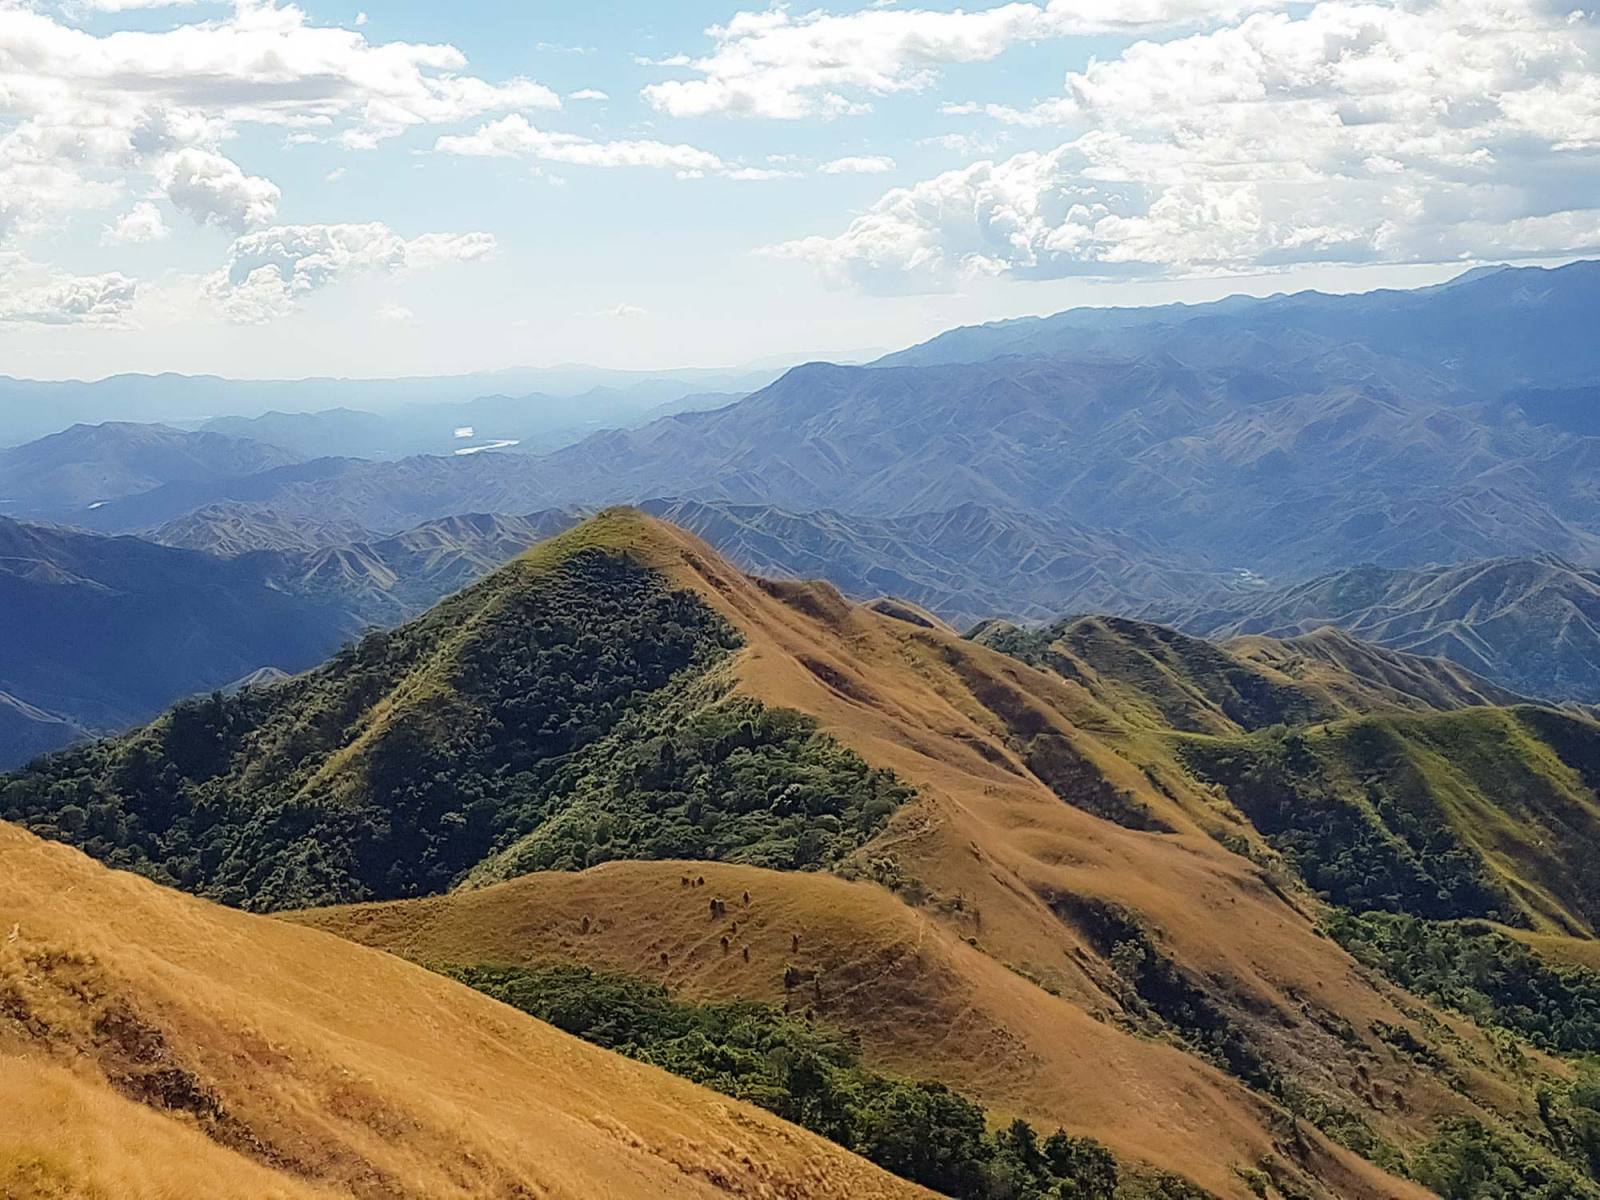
(60, 476)
(963, 564)
(1491, 329)
(31, 409)
(116, 629)
(383, 581)
(531, 423)
(1282, 473)
(1279, 439)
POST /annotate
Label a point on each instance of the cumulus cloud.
(862, 164)
(81, 114)
(213, 189)
(70, 300)
(143, 223)
(516, 137)
(774, 64)
(270, 271)
(118, 6)
(1352, 133)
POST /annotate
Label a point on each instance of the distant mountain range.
(33, 408)
(1272, 448)
(1531, 624)
(104, 632)
(66, 474)
(527, 423)
(1494, 328)
(964, 564)
(1190, 464)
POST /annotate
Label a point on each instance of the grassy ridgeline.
(568, 710)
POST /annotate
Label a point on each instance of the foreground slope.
(154, 1045)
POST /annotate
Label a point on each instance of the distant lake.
(503, 444)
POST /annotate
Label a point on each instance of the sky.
(259, 189)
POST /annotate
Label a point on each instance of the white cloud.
(270, 271)
(587, 94)
(772, 64)
(620, 312)
(117, 6)
(759, 174)
(213, 190)
(82, 116)
(70, 300)
(142, 223)
(397, 314)
(863, 164)
(1354, 132)
(516, 137)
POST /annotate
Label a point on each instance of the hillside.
(26, 731)
(227, 531)
(499, 729)
(1530, 624)
(1043, 882)
(118, 628)
(156, 1045)
(1167, 680)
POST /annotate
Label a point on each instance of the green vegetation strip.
(1477, 970)
(813, 1077)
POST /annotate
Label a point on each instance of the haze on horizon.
(259, 189)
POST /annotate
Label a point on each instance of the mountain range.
(34, 408)
(1247, 438)
(1268, 918)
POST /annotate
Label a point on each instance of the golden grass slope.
(924, 1003)
(995, 854)
(153, 1045)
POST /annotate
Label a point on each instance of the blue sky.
(256, 189)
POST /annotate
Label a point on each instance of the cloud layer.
(1354, 133)
(87, 119)
(271, 271)
(774, 64)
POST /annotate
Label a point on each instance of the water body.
(502, 444)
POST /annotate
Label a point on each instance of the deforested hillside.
(156, 1045)
(1027, 878)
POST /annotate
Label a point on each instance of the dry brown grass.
(946, 715)
(153, 1045)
